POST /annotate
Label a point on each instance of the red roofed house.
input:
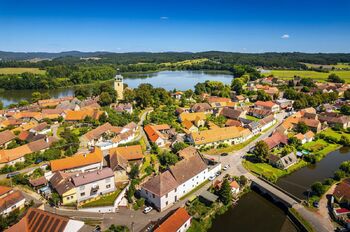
(10, 200)
(179, 221)
(5, 138)
(267, 105)
(154, 134)
(276, 139)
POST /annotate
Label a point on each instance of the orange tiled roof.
(268, 104)
(83, 113)
(76, 161)
(175, 221)
(128, 152)
(152, 133)
(4, 189)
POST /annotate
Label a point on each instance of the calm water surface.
(181, 80)
(253, 213)
(300, 181)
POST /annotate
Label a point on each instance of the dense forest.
(73, 68)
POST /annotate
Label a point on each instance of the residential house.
(177, 95)
(285, 103)
(79, 162)
(28, 116)
(228, 135)
(258, 113)
(240, 99)
(276, 140)
(42, 128)
(233, 113)
(165, 189)
(12, 156)
(189, 127)
(305, 138)
(313, 124)
(342, 193)
(121, 157)
(40, 220)
(220, 102)
(93, 184)
(5, 138)
(61, 183)
(10, 200)
(202, 107)
(159, 134)
(267, 105)
(80, 115)
(53, 113)
(231, 122)
(39, 182)
(283, 162)
(254, 127)
(127, 107)
(267, 122)
(103, 132)
(335, 119)
(234, 187)
(198, 119)
(179, 221)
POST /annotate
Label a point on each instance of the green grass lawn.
(106, 200)
(319, 76)
(21, 70)
(218, 151)
(335, 134)
(252, 118)
(271, 173)
(320, 148)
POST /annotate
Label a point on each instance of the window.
(166, 196)
(146, 192)
(108, 186)
(108, 180)
(82, 194)
(166, 203)
(153, 195)
(82, 187)
(175, 189)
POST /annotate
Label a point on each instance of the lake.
(253, 213)
(181, 80)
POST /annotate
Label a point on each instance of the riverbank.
(138, 74)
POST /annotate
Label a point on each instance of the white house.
(179, 221)
(10, 200)
(92, 184)
(168, 187)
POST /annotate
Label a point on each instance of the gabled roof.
(276, 139)
(342, 190)
(4, 190)
(76, 161)
(174, 222)
(232, 113)
(201, 107)
(99, 131)
(6, 136)
(161, 184)
(266, 104)
(187, 168)
(40, 220)
(152, 133)
(188, 152)
(89, 177)
(10, 199)
(192, 116)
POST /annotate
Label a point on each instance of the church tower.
(119, 86)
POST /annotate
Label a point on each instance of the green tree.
(345, 109)
(134, 172)
(167, 158)
(1, 105)
(243, 180)
(302, 128)
(179, 146)
(36, 96)
(105, 99)
(225, 192)
(261, 150)
(345, 141)
(317, 188)
(335, 78)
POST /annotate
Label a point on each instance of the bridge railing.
(281, 190)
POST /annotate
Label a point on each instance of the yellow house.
(65, 188)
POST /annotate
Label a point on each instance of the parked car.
(147, 209)
(225, 167)
(224, 154)
(218, 173)
(12, 174)
(211, 178)
(316, 204)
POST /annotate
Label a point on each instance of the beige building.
(119, 86)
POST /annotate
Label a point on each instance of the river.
(255, 213)
(181, 80)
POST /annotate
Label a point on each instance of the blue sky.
(161, 25)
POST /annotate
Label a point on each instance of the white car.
(211, 178)
(225, 168)
(147, 209)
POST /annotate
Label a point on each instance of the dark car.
(316, 204)
(224, 154)
(12, 174)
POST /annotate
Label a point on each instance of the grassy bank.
(21, 70)
(271, 173)
(307, 226)
(319, 76)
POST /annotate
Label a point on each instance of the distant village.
(67, 154)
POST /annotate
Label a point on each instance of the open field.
(336, 66)
(21, 70)
(319, 76)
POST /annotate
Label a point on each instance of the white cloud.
(285, 36)
(164, 18)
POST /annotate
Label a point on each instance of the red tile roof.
(175, 221)
(6, 136)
